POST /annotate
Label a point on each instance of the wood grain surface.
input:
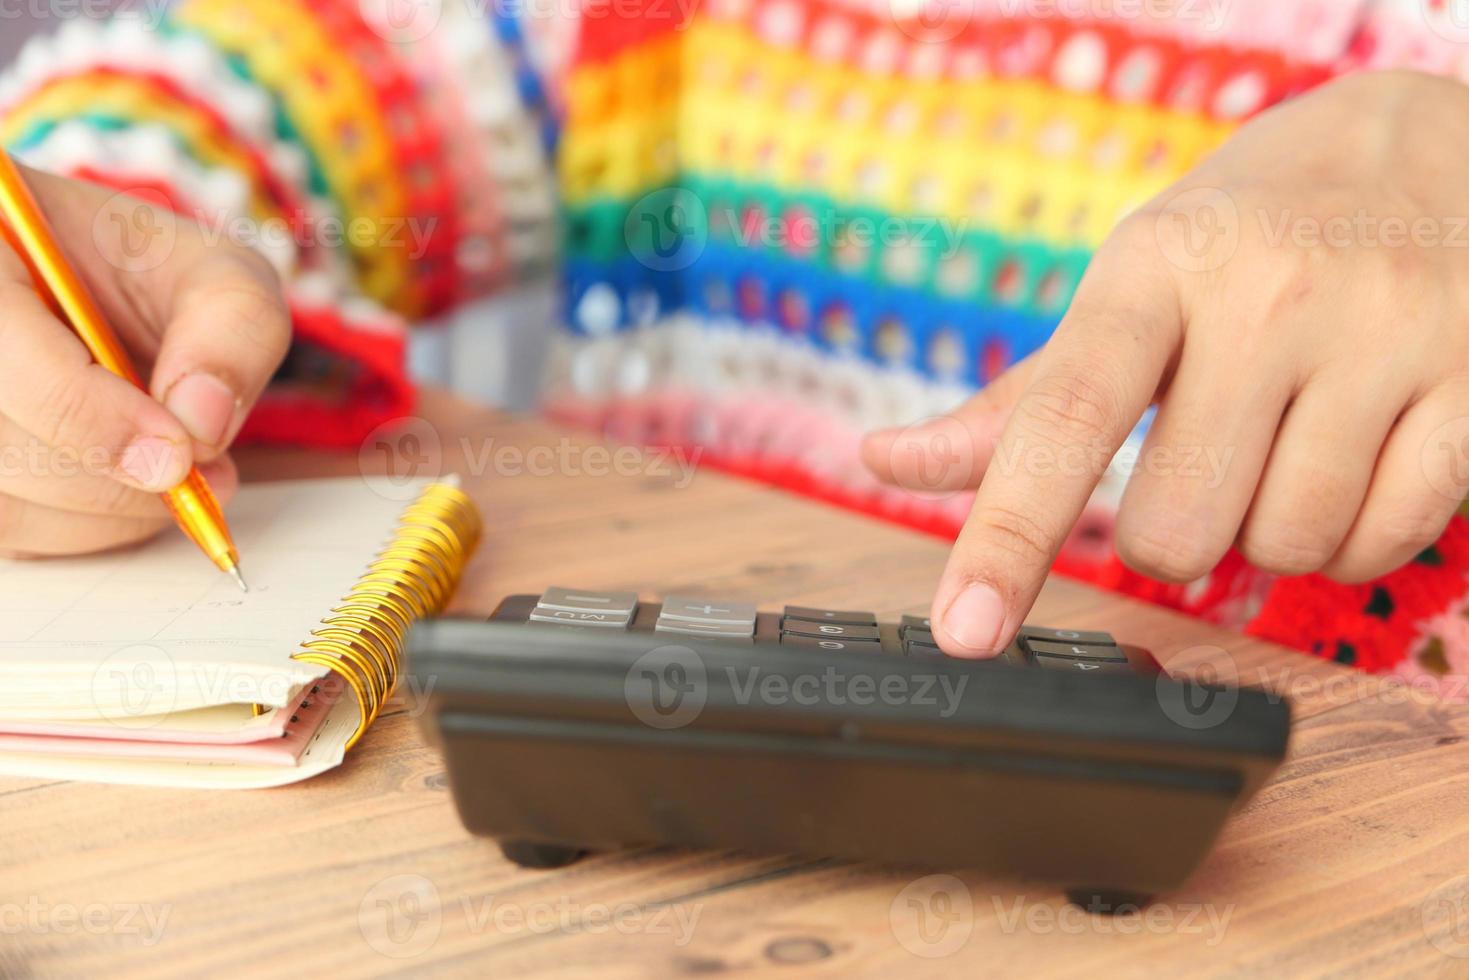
(1352, 862)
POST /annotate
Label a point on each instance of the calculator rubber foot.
(530, 854)
(1102, 901)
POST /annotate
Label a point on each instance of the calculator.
(582, 720)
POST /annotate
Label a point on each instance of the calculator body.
(1112, 780)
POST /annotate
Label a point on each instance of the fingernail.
(205, 405)
(975, 618)
(150, 462)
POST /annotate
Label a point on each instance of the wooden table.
(1350, 862)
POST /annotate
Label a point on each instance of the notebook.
(147, 666)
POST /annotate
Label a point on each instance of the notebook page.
(157, 629)
(324, 751)
(220, 723)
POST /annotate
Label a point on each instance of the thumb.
(228, 330)
(950, 452)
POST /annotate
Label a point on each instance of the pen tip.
(239, 579)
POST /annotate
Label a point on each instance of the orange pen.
(25, 227)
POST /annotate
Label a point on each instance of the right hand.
(1295, 307)
(83, 453)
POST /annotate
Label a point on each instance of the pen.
(192, 503)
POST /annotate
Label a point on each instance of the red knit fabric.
(338, 416)
(1371, 626)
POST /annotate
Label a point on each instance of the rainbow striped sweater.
(791, 221)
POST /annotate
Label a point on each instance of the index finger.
(228, 330)
(1090, 386)
(209, 315)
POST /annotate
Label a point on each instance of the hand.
(83, 453)
(1297, 308)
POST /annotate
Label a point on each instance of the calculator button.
(574, 617)
(1083, 666)
(690, 610)
(915, 635)
(837, 631)
(696, 628)
(914, 623)
(1065, 636)
(580, 600)
(515, 609)
(831, 645)
(846, 616)
(1076, 651)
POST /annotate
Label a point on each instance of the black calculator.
(582, 720)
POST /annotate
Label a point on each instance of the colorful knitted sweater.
(781, 222)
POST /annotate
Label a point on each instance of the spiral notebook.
(147, 666)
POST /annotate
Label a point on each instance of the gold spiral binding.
(413, 577)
